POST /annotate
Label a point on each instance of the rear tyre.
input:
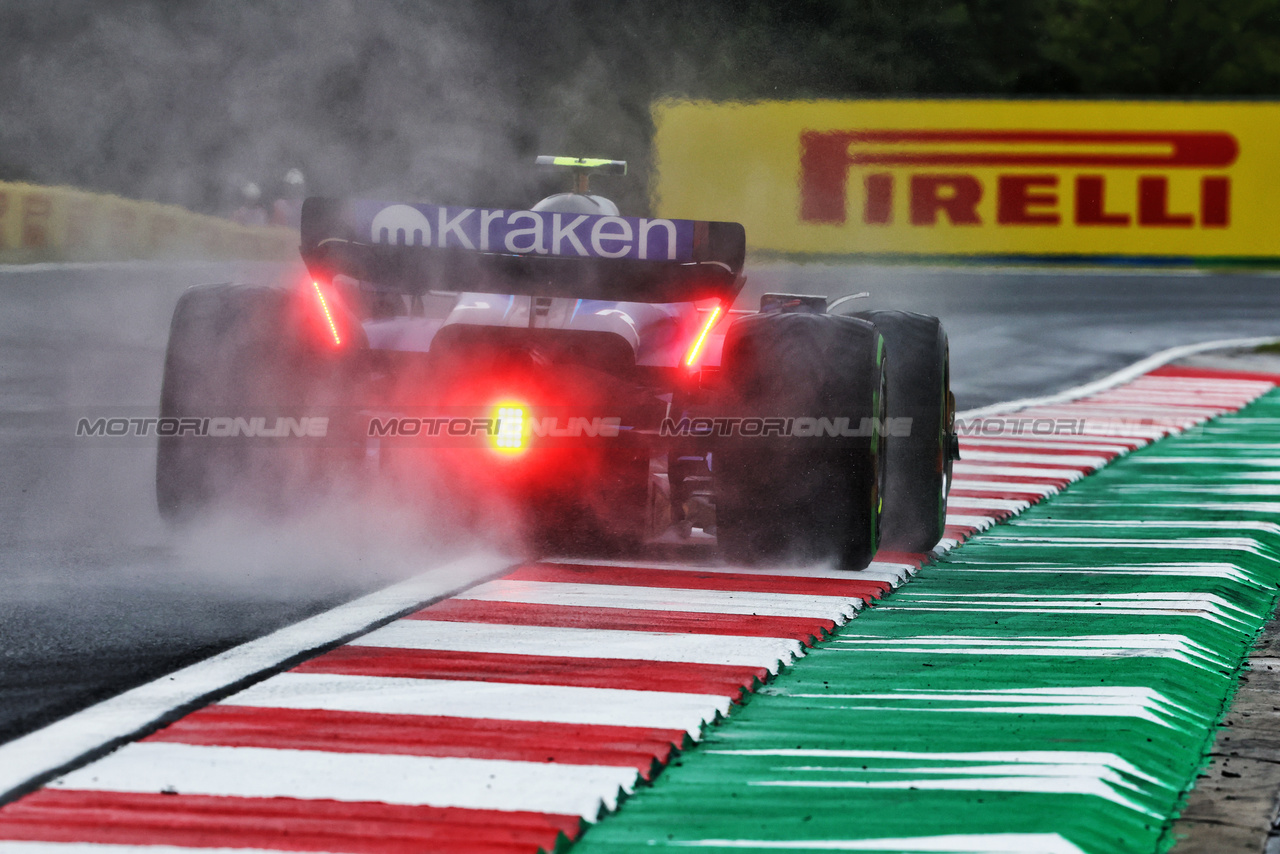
(246, 351)
(918, 464)
(801, 497)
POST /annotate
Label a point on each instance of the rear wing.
(414, 248)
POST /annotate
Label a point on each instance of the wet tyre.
(918, 465)
(250, 352)
(805, 495)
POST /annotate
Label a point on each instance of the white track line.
(507, 701)
(1036, 459)
(68, 740)
(1000, 488)
(584, 643)
(961, 468)
(977, 443)
(979, 522)
(838, 608)
(962, 503)
(258, 772)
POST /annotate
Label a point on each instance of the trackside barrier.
(978, 179)
(40, 224)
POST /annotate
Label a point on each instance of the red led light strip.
(333, 327)
(702, 337)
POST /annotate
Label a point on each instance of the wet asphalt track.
(96, 595)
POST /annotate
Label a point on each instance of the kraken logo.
(401, 225)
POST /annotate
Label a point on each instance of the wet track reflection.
(96, 595)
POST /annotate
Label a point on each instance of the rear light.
(328, 315)
(696, 348)
(509, 434)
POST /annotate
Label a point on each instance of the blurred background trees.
(186, 100)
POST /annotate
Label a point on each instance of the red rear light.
(511, 429)
(328, 315)
(696, 348)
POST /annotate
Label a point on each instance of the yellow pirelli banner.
(65, 224)
(978, 178)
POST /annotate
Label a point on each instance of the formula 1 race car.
(583, 367)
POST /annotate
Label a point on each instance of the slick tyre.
(918, 465)
(247, 352)
(806, 495)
